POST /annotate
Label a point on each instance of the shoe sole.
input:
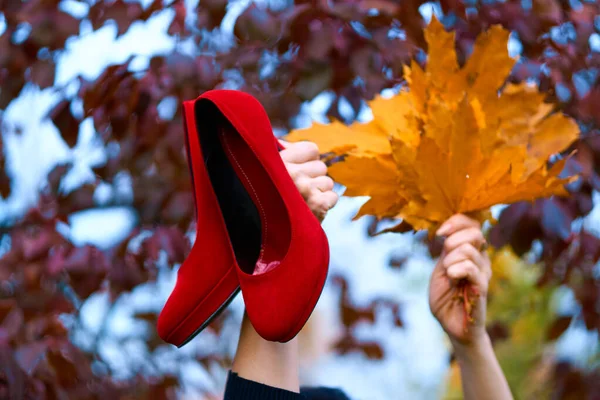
(211, 318)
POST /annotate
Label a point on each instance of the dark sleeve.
(321, 393)
(239, 388)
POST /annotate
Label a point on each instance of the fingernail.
(444, 229)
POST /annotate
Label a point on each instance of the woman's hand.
(310, 176)
(462, 263)
(462, 274)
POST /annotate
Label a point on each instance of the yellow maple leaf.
(338, 138)
(455, 140)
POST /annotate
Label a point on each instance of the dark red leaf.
(10, 89)
(50, 27)
(97, 93)
(498, 331)
(171, 240)
(38, 241)
(12, 383)
(127, 270)
(146, 316)
(55, 176)
(257, 23)
(349, 344)
(210, 13)
(65, 368)
(179, 209)
(5, 188)
(156, 64)
(402, 227)
(79, 199)
(435, 245)
(30, 355)
(4, 179)
(518, 226)
(155, 6)
(87, 267)
(558, 327)
(397, 262)
(351, 314)
(177, 26)
(548, 10)
(556, 219)
(11, 319)
(313, 82)
(372, 350)
(42, 73)
(66, 122)
(165, 389)
(121, 12)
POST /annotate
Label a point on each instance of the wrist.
(271, 363)
(477, 345)
(251, 342)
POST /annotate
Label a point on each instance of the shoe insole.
(239, 212)
(254, 212)
(275, 222)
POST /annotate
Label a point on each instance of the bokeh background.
(96, 211)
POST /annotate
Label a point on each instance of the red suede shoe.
(207, 280)
(282, 278)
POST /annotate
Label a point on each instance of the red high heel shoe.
(207, 280)
(283, 278)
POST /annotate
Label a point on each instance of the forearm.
(481, 375)
(270, 363)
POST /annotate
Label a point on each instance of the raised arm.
(464, 261)
(258, 360)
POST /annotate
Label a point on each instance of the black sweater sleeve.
(239, 388)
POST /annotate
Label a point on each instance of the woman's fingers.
(310, 169)
(467, 270)
(314, 168)
(464, 252)
(306, 185)
(471, 235)
(487, 266)
(456, 223)
(300, 152)
(323, 200)
(463, 257)
(323, 183)
(317, 192)
(328, 199)
(310, 176)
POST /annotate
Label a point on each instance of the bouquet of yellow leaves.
(457, 140)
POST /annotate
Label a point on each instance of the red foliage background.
(352, 48)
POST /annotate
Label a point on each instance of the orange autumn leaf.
(381, 181)
(455, 140)
(338, 138)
